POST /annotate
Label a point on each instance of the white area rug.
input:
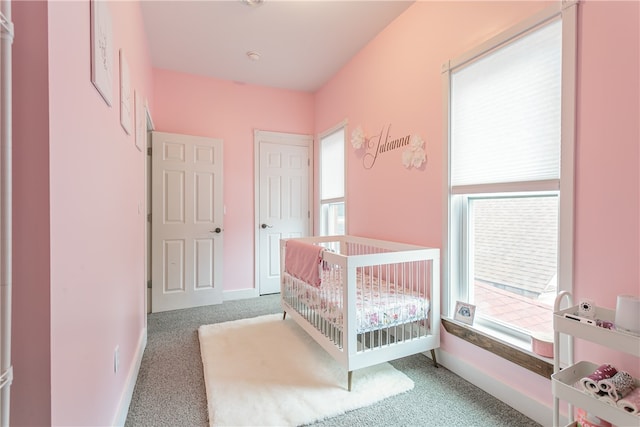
(268, 371)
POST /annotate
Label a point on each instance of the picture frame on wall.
(464, 312)
(101, 49)
(126, 110)
(141, 120)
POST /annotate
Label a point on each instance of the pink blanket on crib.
(302, 260)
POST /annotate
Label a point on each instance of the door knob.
(217, 230)
(266, 226)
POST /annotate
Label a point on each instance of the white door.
(186, 221)
(283, 199)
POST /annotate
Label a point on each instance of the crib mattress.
(379, 303)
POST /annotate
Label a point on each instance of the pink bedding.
(302, 261)
(379, 304)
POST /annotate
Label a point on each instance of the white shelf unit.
(563, 381)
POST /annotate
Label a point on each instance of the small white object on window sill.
(628, 314)
(542, 344)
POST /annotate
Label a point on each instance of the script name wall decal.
(381, 143)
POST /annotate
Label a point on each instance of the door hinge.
(148, 217)
(308, 162)
(308, 214)
(148, 151)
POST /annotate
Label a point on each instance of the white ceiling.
(302, 43)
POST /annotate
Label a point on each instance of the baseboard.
(132, 376)
(533, 409)
(240, 294)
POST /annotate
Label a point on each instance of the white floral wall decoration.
(415, 155)
(358, 138)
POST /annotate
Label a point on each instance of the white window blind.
(505, 114)
(332, 165)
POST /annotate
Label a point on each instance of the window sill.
(540, 365)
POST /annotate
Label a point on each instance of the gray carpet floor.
(170, 387)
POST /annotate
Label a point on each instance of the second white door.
(283, 201)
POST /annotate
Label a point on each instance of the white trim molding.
(238, 294)
(537, 411)
(132, 376)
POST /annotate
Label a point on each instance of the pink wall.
(87, 227)
(202, 106)
(396, 80)
(607, 221)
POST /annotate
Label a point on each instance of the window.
(332, 200)
(510, 175)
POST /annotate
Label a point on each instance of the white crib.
(389, 308)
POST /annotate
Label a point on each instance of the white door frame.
(147, 212)
(285, 139)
